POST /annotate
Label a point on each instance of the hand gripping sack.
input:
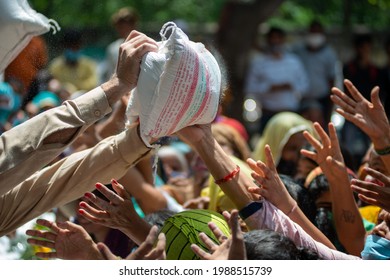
(18, 24)
(177, 87)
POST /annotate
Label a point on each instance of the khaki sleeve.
(70, 178)
(22, 149)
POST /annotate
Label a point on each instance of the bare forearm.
(347, 219)
(137, 230)
(219, 165)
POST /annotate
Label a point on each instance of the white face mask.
(315, 40)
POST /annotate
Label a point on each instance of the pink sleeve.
(269, 217)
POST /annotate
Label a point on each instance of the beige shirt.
(22, 151)
(70, 178)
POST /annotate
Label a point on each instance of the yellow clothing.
(219, 202)
(370, 213)
(278, 131)
(83, 75)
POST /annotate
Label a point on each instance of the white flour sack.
(18, 24)
(178, 86)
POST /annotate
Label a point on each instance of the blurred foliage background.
(291, 14)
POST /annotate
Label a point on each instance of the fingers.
(356, 95)
(377, 175)
(42, 243)
(269, 158)
(48, 224)
(158, 253)
(253, 165)
(235, 227)
(200, 252)
(120, 190)
(90, 217)
(42, 234)
(146, 246)
(100, 203)
(217, 232)
(48, 255)
(334, 140)
(375, 100)
(110, 195)
(93, 211)
(208, 242)
(314, 142)
(106, 252)
(226, 215)
(323, 136)
(309, 154)
(342, 100)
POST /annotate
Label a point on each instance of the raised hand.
(146, 251)
(372, 193)
(230, 248)
(118, 213)
(368, 116)
(68, 240)
(328, 154)
(270, 185)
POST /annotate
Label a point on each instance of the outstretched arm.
(368, 116)
(346, 215)
(272, 188)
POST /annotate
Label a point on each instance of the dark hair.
(125, 15)
(361, 39)
(270, 245)
(275, 30)
(158, 218)
(72, 37)
(301, 195)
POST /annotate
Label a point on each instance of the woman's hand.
(270, 185)
(70, 241)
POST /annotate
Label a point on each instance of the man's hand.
(128, 68)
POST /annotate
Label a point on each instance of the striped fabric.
(182, 230)
(178, 86)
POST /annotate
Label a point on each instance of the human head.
(377, 245)
(173, 162)
(125, 20)
(270, 245)
(283, 133)
(275, 40)
(72, 42)
(363, 45)
(230, 140)
(315, 38)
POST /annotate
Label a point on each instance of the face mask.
(72, 56)
(315, 40)
(376, 248)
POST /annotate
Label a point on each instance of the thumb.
(106, 252)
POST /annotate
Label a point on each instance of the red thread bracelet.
(228, 177)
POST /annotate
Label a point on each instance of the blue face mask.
(376, 248)
(72, 56)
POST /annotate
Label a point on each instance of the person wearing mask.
(320, 62)
(277, 80)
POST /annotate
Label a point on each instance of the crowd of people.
(102, 191)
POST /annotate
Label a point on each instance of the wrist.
(381, 142)
(115, 89)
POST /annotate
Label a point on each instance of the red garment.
(235, 124)
(27, 64)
